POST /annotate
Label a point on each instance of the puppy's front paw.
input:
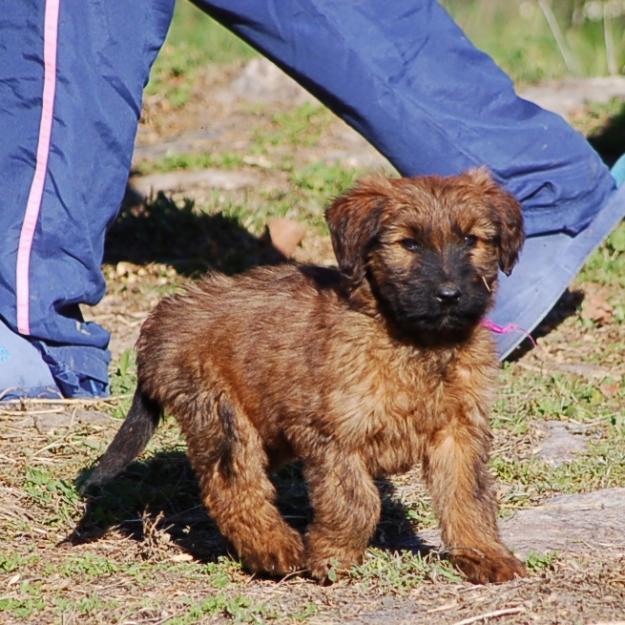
(281, 554)
(483, 567)
(327, 567)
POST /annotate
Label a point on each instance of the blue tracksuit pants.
(400, 72)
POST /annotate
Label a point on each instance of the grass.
(518, 36)
(201, 160)
(400, 572)
(301, 126)
(607, 265)
(537, 562)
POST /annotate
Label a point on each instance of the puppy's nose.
(448, 293)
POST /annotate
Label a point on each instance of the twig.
(442, 608)
(290, 575)
(66, 402)
(554, 27)
(16, 413)
(609, 43)
(489, 615)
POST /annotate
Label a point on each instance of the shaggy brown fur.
(358, 373)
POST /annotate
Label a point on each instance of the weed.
(220, 574)
(21, 608)
(325, 180)
(603, 466)
(607, 265)
(88, 567)
(29, 601)
(239, 608)
(124, 378)
(537, 562)
(398, 572)
(57, 496)
(10, 562)
(89, 605)
(305, 612)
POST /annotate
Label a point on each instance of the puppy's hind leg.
(346, 506)
(232, 471)
(455, 468)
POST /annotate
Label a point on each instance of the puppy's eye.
(470, 240)
(410, 244)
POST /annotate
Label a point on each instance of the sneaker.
(23, 373)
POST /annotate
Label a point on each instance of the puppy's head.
(427, 249)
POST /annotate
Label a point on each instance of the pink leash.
(511, 327)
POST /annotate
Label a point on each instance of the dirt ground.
(246, 148)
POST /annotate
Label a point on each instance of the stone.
(285, 235)
(567, 96)
(262, 81)
(187, 179)
(561, 442)
(55, 421)
(582, 523)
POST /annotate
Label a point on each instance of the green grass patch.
(525, 396)
(537, 562)
(603, 466)
(90, 605)
(399, 572)
(200, 160)
(56, 496)
(606, 266)
(301, 126)
(88, 567)
(238, 608)
(29, 600)
(11, 562)
(520, 39)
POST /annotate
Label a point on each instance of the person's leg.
(406, 77)
(71, 80)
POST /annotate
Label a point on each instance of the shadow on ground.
(610, 140)
(162, 493)
(568, 305)
(159, 230)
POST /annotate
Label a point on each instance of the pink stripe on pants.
(33, 206)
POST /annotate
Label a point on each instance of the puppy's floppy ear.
(354, 220)
(506, 215)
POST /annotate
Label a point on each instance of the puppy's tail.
(130, 440)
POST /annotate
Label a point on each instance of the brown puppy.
(358, 373)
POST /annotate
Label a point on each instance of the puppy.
(359, 373)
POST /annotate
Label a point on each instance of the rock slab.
(583, 523)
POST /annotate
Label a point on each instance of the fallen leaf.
(286, 235)
(182, 557)
(610, 389)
